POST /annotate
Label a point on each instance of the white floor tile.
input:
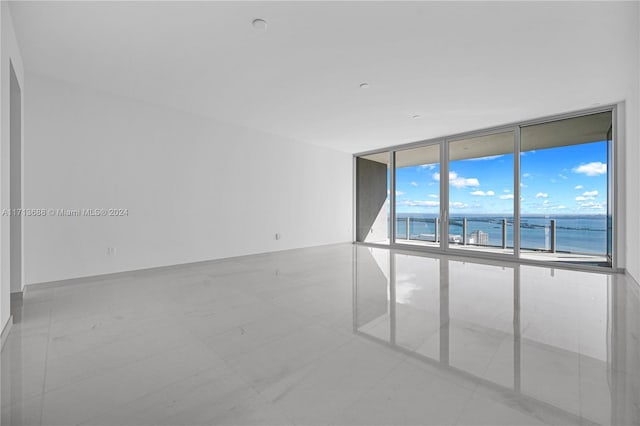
(328, 335)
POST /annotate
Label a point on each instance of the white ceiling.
(461, 66)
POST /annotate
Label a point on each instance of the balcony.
(561, 239)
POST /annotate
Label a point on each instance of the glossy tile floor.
(344, 335)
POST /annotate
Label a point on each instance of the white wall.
(8, 52)
(635, 271)
(196, 189)
(632, 161)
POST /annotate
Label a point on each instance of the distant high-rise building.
(479, 238)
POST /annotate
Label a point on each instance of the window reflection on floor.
(553, 339)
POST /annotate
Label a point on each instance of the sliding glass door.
(481, 193)
(418, 196)
(540, 191)
(610, 181)
(565, 207)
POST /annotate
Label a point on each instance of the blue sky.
(566, 180)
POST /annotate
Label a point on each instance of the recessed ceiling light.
(416, 116)
(259, 24)
(364, 85)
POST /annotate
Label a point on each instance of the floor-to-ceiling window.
(563, 180)
(481, 193)
(418, 195)
(541, 191)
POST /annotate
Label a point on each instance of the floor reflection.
(557, 343)
(341, 335)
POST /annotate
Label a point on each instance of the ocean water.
(574, 233)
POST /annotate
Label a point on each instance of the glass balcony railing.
(572, 234)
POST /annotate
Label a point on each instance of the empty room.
(320, 213)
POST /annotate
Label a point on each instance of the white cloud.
(420, 203)
(542, 195)
(562, 176)
(458, 181)
(464, 182)
(414, 183)
(483, 194)
(526, 175)
(595, 168)
(522, 185)
(506, 190)
(545, 202)
(433, 196)
(590, 193)
(397, 192)
(491, 157)
(458, 205)
(579, 187)
(581, 198)
(506, 197)
(428, 166)
(592, 205)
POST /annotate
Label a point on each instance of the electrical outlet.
(111, 251)
(277, 236)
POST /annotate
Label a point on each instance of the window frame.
(444, 141)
